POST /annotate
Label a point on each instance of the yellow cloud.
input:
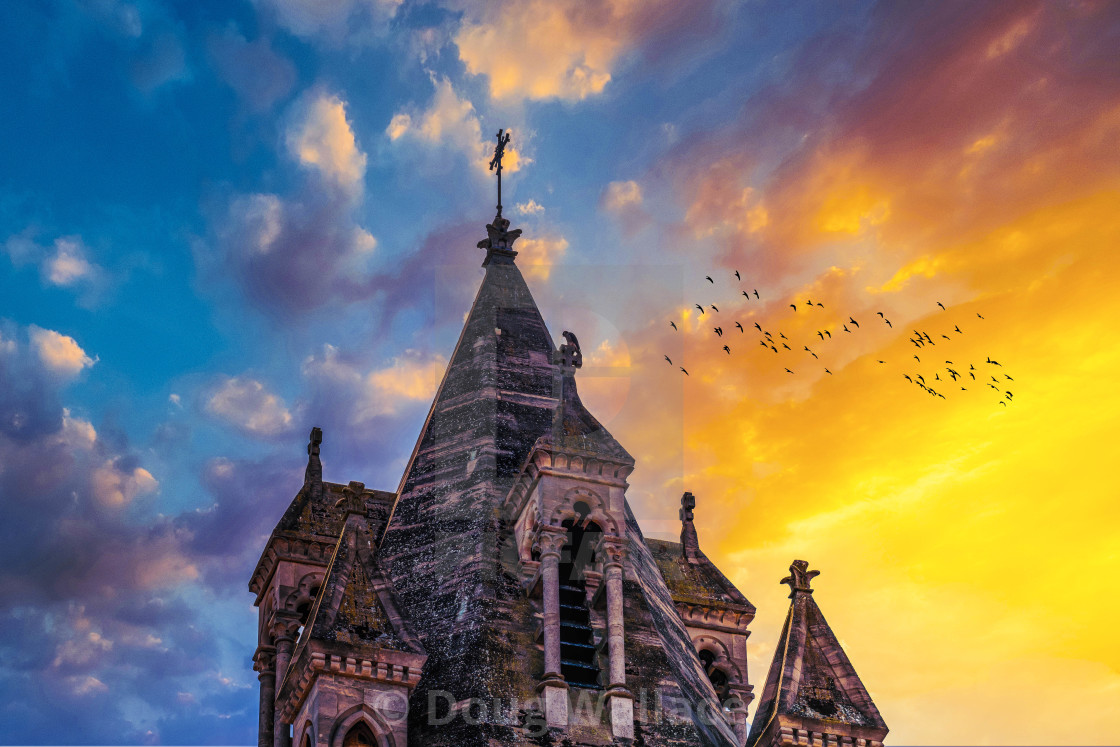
(325, 141)
(537, 256)
(538, 49)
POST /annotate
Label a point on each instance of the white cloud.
(532, 207)
(68, 264)
(59, 353)
(116, 488)
(324, 140)
(451, 121)
(247, 405)
(334, 20)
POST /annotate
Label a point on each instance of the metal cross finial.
(496, 163)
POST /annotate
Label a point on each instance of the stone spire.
(499, 239)
(813, 694)
(690, 544)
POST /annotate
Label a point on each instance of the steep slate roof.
(694, 583)
(811, 680)
(356, 604)
(450, 553)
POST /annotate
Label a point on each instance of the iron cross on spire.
(496, 162)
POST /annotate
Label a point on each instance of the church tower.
(503, 594)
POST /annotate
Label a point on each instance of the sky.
(225, 221)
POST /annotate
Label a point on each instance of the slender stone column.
(264, 663)
(284, 632)
(554, 688)
(619, 698)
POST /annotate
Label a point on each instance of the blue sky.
(222, 223)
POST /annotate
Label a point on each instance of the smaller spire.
(799, 577)
(690, 543)
(313, 475)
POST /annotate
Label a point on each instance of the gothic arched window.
(359, 736)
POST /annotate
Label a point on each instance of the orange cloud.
(324, 141)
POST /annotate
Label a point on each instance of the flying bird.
(907, 378)
(763, 343)
(719, 331)
(673, 325)
(727, 350)
(941, 305)
(972, 375)
(756, 292)
(880, 314)
(757, 326)
(882, 361)
(809, 303)
(773, 348)
(853, 321)
(748, 295)
(846, 328)
(788, 371)
(685, 372)
(828, 372)
(978, 314)
(888, 321)
(919, 360)
(957, 330)
(670, 362)
(793, 306)
(709, 279)
(1008, 377)
(737, 275)
(782, 336)
(828, 333)
(787, 347)
(995, 363)
(740, 326)
(714, 308)
(820, 304)
(700, 307)
(947, 337)
(820, 334)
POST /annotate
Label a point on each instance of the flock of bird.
(935, 386)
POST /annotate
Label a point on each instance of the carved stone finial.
(313, 475)
(799, 577)
(352, 501)
(499, 242)
(570, 357)
(690, 543)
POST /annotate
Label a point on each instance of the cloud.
(537, 49)
(537, 256)
(295, 253)
(624, 200)
(116, 488)
(68, 265)
(410, 379)
(260, 75)
(336, 22)
(323, 140)
(64, 264)
(450, 122)
(60, 354)
(248, 406)
(532, 207)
